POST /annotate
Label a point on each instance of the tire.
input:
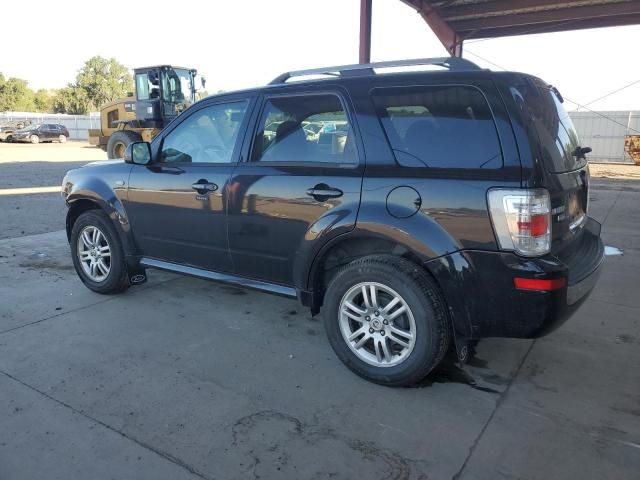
(34, 139)
(425, 312)
(62, 139)
(116, 279)
(119, 141)
(9, 139)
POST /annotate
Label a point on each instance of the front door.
(300, 185)
(176, 204)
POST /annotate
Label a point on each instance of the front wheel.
(119, 141)
(62, 138)
(97, 253)
(34, 139)
(386, 320)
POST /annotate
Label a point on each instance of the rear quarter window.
(448, 126)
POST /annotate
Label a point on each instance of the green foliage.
(99, 81)
(15, 95)
(104, 80)
(71, 99)
(43, 100)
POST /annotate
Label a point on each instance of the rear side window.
(439, 126)
(557, 135)
(304, 128)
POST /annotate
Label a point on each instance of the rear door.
(297, 188)
(52, 132)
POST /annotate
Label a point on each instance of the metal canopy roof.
(454, 21)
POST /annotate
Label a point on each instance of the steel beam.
(447, 36)
(509, 7)
(365, 31)
(617, 21)
(531, 19)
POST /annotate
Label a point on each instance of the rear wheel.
(34, 139)
(386, 320)
(62, 138)
(97, 253)
(119, 141)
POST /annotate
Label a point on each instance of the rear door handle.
(204, 186)
(323, 192)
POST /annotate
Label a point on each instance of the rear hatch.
(566, 173)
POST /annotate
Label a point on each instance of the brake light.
(521, 220)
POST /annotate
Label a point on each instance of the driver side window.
(207, 136)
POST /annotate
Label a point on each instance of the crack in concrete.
(615, 202)
(503, 396)
(165, 455)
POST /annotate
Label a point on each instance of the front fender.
(103, 191)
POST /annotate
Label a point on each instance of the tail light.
(521, 220)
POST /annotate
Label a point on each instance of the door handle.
(204, 186)
(323, 192)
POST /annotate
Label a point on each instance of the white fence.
(78, 125)
(604, 132)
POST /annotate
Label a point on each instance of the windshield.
(177, 87)
(31, 127)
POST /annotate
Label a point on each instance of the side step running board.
(220, 277)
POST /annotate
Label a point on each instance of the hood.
(98, 163)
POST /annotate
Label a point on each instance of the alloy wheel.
(377, 324)
(94, 253)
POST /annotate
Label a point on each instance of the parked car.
(455, 208)
(36, 133)
(7, 129)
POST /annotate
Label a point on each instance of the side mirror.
(138, 153)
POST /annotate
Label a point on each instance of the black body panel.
(267, 225)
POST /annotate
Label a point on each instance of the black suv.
(432, 209)
(37, 133)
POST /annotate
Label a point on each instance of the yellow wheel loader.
(162, 92)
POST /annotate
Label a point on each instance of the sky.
(239, 44)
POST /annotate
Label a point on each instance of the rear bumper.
(480, 288)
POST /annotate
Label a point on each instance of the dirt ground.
(614, 170)
(50, 152)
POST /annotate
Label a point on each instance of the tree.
(71, 99)
(43, 100)
(104, 80)
(15, 95)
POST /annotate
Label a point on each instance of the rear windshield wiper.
(581, 152)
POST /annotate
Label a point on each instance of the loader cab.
(162, 92)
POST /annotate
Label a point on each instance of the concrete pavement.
(27, 166)
(181, 378)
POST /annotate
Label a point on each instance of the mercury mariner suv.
(416, 210)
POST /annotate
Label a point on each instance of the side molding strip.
(220, 277)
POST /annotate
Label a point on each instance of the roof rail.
(452, 63)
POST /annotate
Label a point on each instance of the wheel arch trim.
(96, 194)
